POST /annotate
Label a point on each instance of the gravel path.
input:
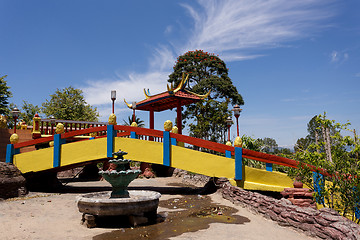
(55, 216)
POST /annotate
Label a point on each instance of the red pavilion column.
(146, 167)
(178, 117)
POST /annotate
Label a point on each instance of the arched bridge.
(152, 146)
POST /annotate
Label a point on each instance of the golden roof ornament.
(134, 124)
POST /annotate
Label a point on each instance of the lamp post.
(113, 98)
(52, 122)
(15, 113)
(133, 106)
(237, 111)
(229, 123)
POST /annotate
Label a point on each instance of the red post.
(151, 122)
(237, 125)
(133, 115)
(15, 118)
(179, 120)
(229, 132)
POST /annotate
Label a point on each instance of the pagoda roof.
(169, 99)
(166, 100)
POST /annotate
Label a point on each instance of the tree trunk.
(328, 143)
(326, 139)
(317, 141)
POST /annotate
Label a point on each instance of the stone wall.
(324, 223)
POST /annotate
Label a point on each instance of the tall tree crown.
(5, 94)
(69, 104)
(206, 72)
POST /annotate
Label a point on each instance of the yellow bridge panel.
(260, 179)
(34, 161)
(203, 163)
(140, 150)
(83, 151)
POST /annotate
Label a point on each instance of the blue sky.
(290, 60)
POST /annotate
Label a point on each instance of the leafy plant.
(337, 155)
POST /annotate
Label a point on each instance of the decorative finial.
(168, 125)
(14, 138)
(238, 142)
(112, 119)
(93, 134)
(3, 122)
(175, 129)
(134, 124)
(59, 128)
(228, 143)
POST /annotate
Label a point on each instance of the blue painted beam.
(10, 152)
(173, 141)
(111, 133)
(133, 135)
(238, 164)
(269, 167)
(227, 153)
(319, 185)
(57, 149)
(166, 149)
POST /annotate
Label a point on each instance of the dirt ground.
(56, 216)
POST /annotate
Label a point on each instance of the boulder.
(12, 183)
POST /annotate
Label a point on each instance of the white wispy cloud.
(129, 87)
(237, 30)
(339, 56)
(227, 26)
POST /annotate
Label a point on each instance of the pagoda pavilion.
(172, 98)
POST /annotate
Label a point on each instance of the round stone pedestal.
(140, 206)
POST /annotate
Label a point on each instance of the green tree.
(269, 145)
(302, 144)
(129, 121)
(343, 194)
(316, 130)
(29, 111)
(206, 72)
(5, 94)
(69, 104)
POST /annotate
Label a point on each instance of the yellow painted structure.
(152, 152)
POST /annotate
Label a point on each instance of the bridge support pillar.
(166, 149)
(319, 184)
(269, 167)
(57, 149)
(111, 134)
(238, 164)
